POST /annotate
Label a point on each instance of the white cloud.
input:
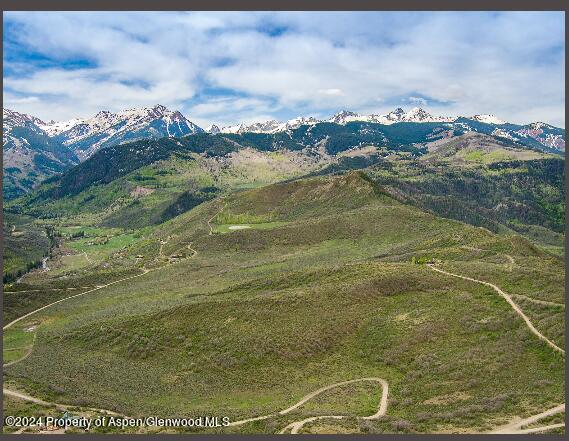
(219, 67)
(417, 101)
(231, 110)
(331, 92)
(10, 100)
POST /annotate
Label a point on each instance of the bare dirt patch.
(239, 227)
(139, 192)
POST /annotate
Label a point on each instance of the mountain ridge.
(106, 128)
(35, 150)
(87, 135)
(29, 153)
(544, 134)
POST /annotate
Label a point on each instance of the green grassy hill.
(523, 196)
(480, 148)
(257, 297)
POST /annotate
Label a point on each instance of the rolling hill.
(247, 302)
(148, 182)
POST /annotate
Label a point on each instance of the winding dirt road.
(31, 399)
(29, 350)
(517, 426)
(540, 302)
(295, 426)
(508, 298)
(13, 322)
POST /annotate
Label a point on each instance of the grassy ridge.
(527, 197)
(260, 317)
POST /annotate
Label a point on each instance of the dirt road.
(13, 322)
(30, 399)
(540, 302)
(508, 298)
(29, 350)
(295, 426)
(517, 426)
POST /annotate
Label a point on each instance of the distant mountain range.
(34, 150)
(398, 115)
(533, 135)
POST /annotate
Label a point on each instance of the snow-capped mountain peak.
(54, 128)
(488, 119)
(84, 136)
(87, 135)
(344, 116)
(295, 123)
(301, 120)
(11, 118)
(213, 129)
(395, 115)
(256, 127)
(270, 126)
(417, 114)
(102, 114)
(398, 115)
(540, 125)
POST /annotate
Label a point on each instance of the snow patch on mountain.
(271, 126)
(503, 134)
(488, 119)
(295, 123)
(12, 119)
(84, 136)
(544, 134)
(343, 117)
(416, 114)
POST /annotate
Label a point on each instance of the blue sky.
(230, 67)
